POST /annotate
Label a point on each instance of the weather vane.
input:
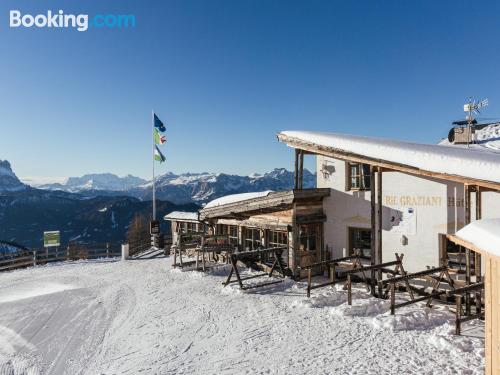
(472, 108)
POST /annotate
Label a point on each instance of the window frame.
(364, 249)
(277, 238)
(361, 180)
(255, 240)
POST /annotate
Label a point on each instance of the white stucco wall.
(438, 208)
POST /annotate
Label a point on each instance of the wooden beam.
(477, 256)
(273, 202)
(296, 169)
(373, 225)
(468, 245)
(379, 221)
(301, 170)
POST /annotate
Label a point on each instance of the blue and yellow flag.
(158, 124)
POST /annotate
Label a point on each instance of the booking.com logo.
(80, 22)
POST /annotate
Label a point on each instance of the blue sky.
(225, 76)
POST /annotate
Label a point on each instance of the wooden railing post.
(34, 257)
(349, 290)
(457, 314)
(309, 281)
(393, 298)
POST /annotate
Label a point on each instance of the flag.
(159, 139)
(158, 124)
(158, 155)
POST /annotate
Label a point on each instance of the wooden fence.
(43, 256)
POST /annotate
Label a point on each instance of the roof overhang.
(273, 202)
(468, 245)
(337, 153)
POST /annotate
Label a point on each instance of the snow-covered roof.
(484, 234)
(234, 198)
(182, 216)
(472, 163)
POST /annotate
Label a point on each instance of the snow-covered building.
(375, 195)
(419, 192)
(183, 223)
(292, 219)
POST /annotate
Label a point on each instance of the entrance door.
(309, 243)
(360, 238)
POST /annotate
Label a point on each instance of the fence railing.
(75, 251)
(43, 256)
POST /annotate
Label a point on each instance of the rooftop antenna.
(472, 108)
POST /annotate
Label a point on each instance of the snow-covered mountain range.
(95, 181)
(180, 188)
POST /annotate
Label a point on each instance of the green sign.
(52, 238)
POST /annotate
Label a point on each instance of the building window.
(185, 227)
(360, 239)
(232, 233)
(359, 176)
(252, 239)
(309, 237)
(277, 238)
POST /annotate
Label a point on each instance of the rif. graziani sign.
(422, 200)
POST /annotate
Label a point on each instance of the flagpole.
(154, 188)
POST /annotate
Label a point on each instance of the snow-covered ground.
(140, 316)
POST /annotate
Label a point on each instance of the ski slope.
(142, 317)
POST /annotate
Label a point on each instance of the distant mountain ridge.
(26, 212)
(8, 180)
(182, 188)
(96, 181)
(98, 208)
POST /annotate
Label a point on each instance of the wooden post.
(203, 259)
(443, 255)
(477, 256)
(332, 273)
(107, 250)
(301, 169)
(467, 280)
(373, 227)
(309, 279)
(296, 182)
(467, 192)
(379, 222)
(457, 314)
(393, 297)
(34, 257)
(349, 291)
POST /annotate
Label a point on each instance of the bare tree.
(138, 235)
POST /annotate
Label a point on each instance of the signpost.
(52, 238)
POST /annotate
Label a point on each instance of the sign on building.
(404, 220)
(51, 238)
